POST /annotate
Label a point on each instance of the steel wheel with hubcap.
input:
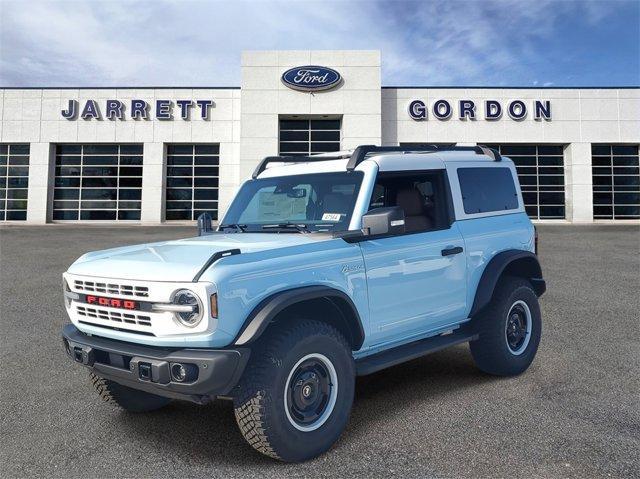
(518, 327)
(509, 329)
(311, 391)
(295, 396)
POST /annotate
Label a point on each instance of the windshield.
(314, 202)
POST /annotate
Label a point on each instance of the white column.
(229, 176)
(41, 174)
(578, 183)
(153, 183)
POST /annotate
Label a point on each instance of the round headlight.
(192, 313)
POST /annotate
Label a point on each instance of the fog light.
(181, 373)
(178, 372)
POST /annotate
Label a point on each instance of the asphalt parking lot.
(574, 413)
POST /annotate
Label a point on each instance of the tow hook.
(82, 355)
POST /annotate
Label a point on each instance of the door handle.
(450, 251)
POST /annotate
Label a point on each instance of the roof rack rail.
(358, 155)
(340, 155)
(362, 151)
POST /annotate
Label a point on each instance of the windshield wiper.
(235, 226)
(301, 228)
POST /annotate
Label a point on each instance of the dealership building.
(155, 155)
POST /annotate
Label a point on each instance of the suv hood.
(179, 260)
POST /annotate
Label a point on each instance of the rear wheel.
(296, 394)
(509, 329)
(127, 398)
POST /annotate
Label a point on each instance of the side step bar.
(407, 352)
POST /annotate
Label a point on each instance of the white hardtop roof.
(391, 161)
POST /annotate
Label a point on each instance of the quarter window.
(616, 182)
(14, 182)
(192, 181)
(306, 137)
(98, 182)
(487, 189)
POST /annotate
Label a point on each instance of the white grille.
(112, 288)
(115, 316)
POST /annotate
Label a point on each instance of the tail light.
(535, 240)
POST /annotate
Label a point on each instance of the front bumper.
(148, 368)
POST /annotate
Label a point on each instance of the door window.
(423, 197)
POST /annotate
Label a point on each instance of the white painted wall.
(578, 115)
(245, 123)
(264, 98)
(34, 116)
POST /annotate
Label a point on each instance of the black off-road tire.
(260, 404)
(491, 351)
(127, 398)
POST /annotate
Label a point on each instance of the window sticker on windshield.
(331, 217)
(274, 206)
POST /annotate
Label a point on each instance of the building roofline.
(394, 87)
(119, 88)
(441, 87)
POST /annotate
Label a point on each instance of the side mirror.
(204, 224)
(383, 221)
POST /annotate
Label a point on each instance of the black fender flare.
(267, 310)
(520, 263)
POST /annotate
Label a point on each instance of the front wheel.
(509, 329)
(295, 397)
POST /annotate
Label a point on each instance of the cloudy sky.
(198, 43)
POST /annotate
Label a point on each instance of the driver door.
(416, 280)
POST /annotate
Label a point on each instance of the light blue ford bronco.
(324, 268)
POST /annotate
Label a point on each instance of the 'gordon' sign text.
(493, 110)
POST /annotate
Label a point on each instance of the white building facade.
(155, 155)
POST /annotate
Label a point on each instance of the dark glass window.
(192, 181)
(540, 172)
(616, 181)
(306, 137)
(98, 182)
(319, 201)
(422, 196)
(487, 189)
(14, 181)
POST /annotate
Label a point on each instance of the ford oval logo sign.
(311, 78)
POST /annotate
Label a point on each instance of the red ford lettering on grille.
(112, 302)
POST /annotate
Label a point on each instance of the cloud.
(198, 43)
